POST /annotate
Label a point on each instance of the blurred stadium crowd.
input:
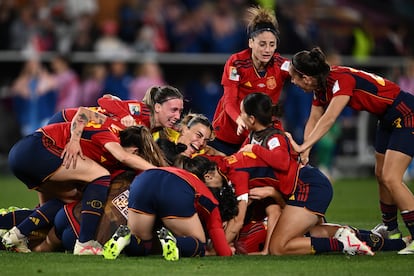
(114, 29)
(207, 26)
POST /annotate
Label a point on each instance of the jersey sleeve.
(344, 85)
(276, 155)
(216, 233)
(116, 107)
(104, 137)
(231, 81)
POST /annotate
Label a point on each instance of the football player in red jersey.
(256, 69)
(181, 198)
(336, 87)
(306, 190)
(161, 108)
(37, 161)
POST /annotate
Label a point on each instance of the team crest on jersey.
(134, 109)
(233, 74)
(271, 82)
(121, 203)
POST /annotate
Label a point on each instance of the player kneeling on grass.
(181, 198)
(306, 190)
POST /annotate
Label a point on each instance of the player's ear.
(250, 43)
(157, 107)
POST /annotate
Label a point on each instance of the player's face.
(307, 83)
(263, 46)
(195, 138)
(168, 113)
(247, 119)
(214, 179)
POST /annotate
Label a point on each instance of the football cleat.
(382, 230)
(352, 245)
(91, 247)
(3, 232)
(13, 241)
(170, 250)
(120, 239)
(408, 250)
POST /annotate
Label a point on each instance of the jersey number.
(376, 78)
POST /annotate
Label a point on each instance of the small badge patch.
(233, 74)
(134, 109)
(121, 203)
(273, 143)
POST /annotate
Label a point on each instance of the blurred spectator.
(76, 8)
(130, 19)
(153, 17)
(363, 42)
(143, 42)
(226, 34)
(23, 29)
(33, 96)
(85, 33)
(392, 40)
(66, 83)
(299, 29)
(109, 45)
(92, 83)
(406, 83)
(187, 27)
(118, 81)
(147, 74)
(204, 93)
(7, 16)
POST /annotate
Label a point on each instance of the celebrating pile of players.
(139, 177)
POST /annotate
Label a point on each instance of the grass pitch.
(355, 202)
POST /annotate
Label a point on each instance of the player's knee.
(277, 247)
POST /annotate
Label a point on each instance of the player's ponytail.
(312, 63)
(259, 19)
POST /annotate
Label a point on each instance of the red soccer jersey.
(246, 171)
(368, 91)
(239, 79)
(273, 148)
(92, 142)
(138, 110)
(207, 210)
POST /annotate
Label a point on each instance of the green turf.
(355, 203)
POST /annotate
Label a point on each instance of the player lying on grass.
(36, 161)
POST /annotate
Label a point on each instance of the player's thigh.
(190, 226)
(293, 222)
(86, 170)
(141, 225)
(395, 164)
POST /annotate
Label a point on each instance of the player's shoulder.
(241, 58)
